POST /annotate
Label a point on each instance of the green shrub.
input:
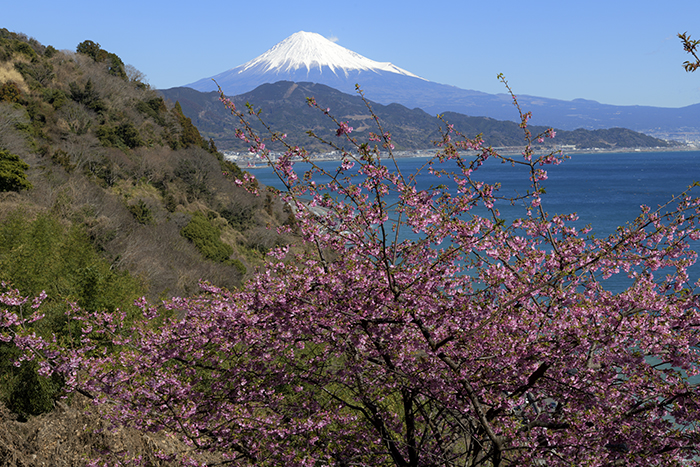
(10, 92)
(141, 212)
(88, 96)
(190, 135)
(170, 202)
(240, 267)
(155, 108)
(55, 97)
(25, 49)
(123, 136)
(129, 135)
(207, 238)
(50, 51)
(44, 254)
(115, 65)
(27, 393)
(91, 49)
(239, 217)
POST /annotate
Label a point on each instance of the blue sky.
(622, 52)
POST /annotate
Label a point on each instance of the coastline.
(252, 162)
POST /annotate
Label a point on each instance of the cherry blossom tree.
(481, 341)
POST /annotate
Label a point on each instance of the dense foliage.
(42, 256)
(105, 152)
(207, 238)
(115, 65)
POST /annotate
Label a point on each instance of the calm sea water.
(605, 190)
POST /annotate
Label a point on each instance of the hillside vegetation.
(106, 154)
(108, 193)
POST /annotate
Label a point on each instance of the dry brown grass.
(9, 73)
(74, 433)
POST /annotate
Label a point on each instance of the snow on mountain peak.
(311, 50)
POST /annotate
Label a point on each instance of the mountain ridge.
(284, 109)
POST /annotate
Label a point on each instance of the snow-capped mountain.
(309, 57)
(303, 56)
(308, 50)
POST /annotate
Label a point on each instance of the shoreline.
(251, 163)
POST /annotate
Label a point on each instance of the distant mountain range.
(309, 57)
(284, 108)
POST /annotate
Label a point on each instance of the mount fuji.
(310, 57)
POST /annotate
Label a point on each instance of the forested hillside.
(109, 157)
(284, 109)
(108, 193)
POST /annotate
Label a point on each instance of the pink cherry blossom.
(478, 341)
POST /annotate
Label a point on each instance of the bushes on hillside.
(207, 238)
(100, 144)
(115, 65)
(123, 136)
(88, 96)
(190, 135)
(141, 212)
(10, 92)
(43, 255)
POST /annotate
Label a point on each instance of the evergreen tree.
(12, 172)
(190, 134)
(91, 49)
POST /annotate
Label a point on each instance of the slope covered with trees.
(101, 184)
(105, 152)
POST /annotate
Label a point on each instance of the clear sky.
(622, 52)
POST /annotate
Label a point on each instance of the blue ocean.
(605, 189)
